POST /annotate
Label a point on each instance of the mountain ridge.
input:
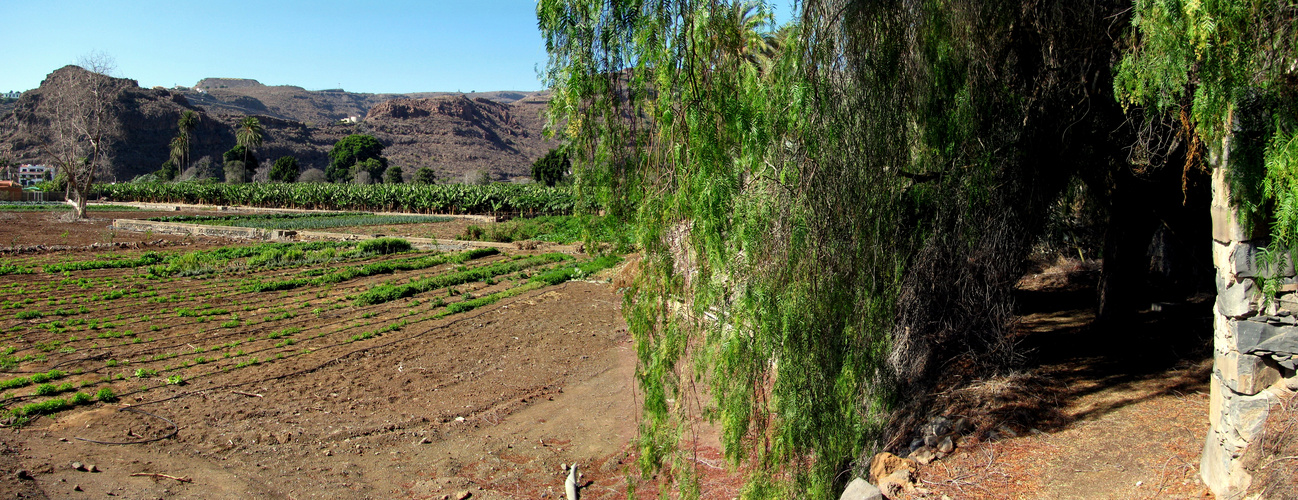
(453, 133)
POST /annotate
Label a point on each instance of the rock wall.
(1255, 342)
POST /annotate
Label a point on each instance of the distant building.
(29, 175)
(12, 95)
(10, 191)
(351, 119)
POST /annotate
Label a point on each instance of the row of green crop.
(387, 293)
(306, 221)
(531, 199)
(372, 270)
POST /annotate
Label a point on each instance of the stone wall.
(1255, 343)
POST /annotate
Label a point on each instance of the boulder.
(859, 489)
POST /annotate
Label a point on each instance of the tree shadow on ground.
(1076, 369)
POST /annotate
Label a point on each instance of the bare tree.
(76, 121)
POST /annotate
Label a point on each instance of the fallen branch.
(154, 474)
(1268, 464)
(249, 394)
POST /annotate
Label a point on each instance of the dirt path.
(1099, 412)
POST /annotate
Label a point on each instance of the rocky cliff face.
(499, 132)
(148, 122)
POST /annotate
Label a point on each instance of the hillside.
(452, 133)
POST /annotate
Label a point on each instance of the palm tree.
(188, 120)
(249, 135)
(179, 150)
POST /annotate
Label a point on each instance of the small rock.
(76, 487)
(963, 426)
(78, 466)
(946, 445)
(884, 464)
(92, 468)
(463, 495)
(22, 474)
(859, 489)
(923, 456)
(916, 444)
(896, 484)
(1292, 384)
(938, 426)
(1007, 432)
(931, 440)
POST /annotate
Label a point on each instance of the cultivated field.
(223, 369)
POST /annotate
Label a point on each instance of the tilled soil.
(490, 402)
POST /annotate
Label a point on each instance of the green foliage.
(352, 150)
(551, 168)
(302, 220)
(285, 169)
(168, 171)
(425, 175)
(393, 175)
(240, 165)
(384, 246)
(106, 395)
(1225, 71)
(815, 202)
(528, 199)
(372, 269)
(387, 293)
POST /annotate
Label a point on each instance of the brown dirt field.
(48, 228)
(489, 401)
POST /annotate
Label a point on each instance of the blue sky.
(378, 47)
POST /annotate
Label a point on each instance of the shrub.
(425, 175)
(393, 175)
(80, 398)
(106, 395)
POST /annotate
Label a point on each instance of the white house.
(32, 174)
(11, 95)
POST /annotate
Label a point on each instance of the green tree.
(551, 168)
(248, 134)
(185, 126)
(852, 209)
(425, 175)
(373, 169)
(392, 175)
(240, 165)
(285, 169)
(168, 171)
(349, 151)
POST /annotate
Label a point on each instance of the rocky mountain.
(453, 133)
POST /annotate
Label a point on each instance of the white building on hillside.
(32, 174)
(11, 94)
